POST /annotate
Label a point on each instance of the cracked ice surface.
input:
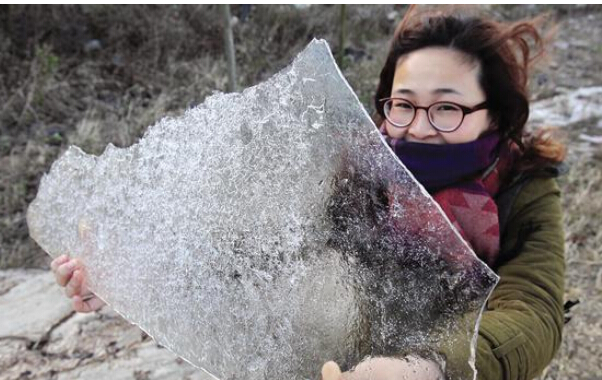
(264, 233)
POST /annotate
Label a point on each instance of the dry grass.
(583, 207)
(580, 352)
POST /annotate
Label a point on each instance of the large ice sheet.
(266, 232)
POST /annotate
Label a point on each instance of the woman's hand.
(383, 368)
(70, 274)
(331, 371)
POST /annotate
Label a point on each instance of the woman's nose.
(421, 127)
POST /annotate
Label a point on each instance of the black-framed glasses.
(444, 116)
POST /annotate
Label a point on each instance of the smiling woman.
(452, 103)
(444, 83)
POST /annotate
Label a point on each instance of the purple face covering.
(436, 166)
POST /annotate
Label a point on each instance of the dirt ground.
(90, 75)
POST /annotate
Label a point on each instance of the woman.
(452, 103)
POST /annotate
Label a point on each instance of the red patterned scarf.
(471, 209)
(468, 203)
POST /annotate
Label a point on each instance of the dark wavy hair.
(505, 55)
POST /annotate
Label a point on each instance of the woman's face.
(438, 74)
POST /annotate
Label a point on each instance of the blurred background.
(89, 75)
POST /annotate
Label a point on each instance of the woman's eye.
(447, 107)
(405, 106)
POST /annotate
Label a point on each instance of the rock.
(31, 308)
(563, 45)
(147, 362)
(571, 107)
(591, 139)
(99, 345)
(13, 277)
(92, 45)
(16, 359)
(82, 332)
(8, 350)
(392, 16)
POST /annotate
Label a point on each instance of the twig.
(584, 262)
(29, 98)
(342, 35)
(229, 47)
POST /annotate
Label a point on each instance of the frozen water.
(266, 232)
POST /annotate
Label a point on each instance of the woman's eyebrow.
(437, 91)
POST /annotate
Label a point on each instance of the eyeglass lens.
(444, 116)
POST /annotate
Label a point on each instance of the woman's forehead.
(437, 71)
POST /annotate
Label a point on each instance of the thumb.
(331, 371)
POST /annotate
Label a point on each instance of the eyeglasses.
(444, 116)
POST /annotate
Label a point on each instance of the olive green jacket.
(521, 327)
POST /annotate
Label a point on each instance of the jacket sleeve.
(521, 327)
